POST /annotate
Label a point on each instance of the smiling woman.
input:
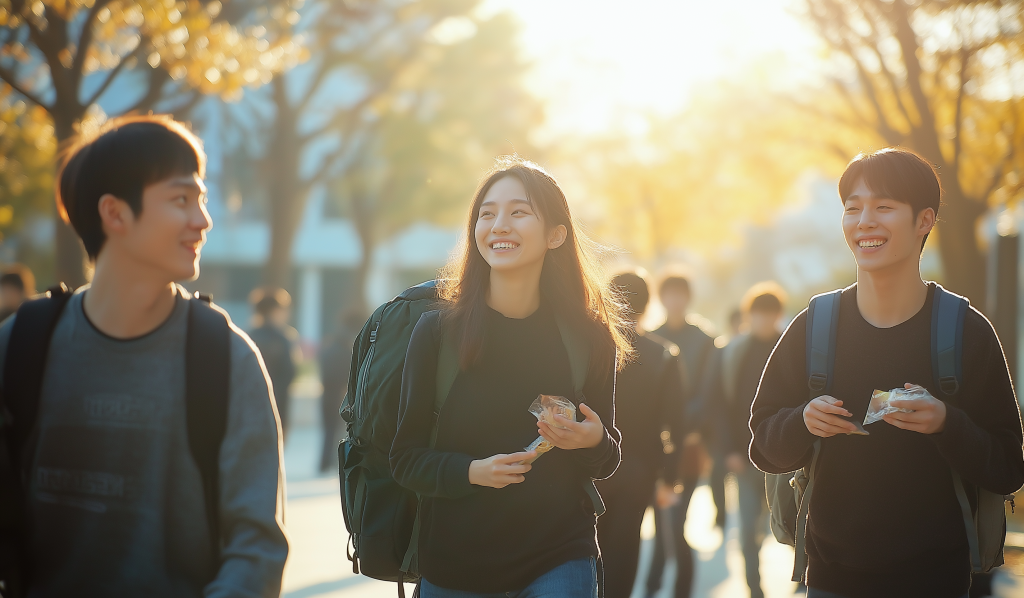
(526, 315)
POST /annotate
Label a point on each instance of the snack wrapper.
(880, 404)
(545, 408)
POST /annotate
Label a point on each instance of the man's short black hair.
(14, 280)
(675, 283)
(764, 297)
(634, 291)
(267, 299)
(124, 157)
(897, 174)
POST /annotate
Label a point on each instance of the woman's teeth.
(871, 243)
(503, 245)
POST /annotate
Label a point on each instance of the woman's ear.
(557, 236)
(115, 214)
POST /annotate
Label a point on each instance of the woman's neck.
(123, 302)
(889, 297)
(514, 294)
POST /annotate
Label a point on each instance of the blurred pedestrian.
(16, 285)
(335, 362)
(695, 348)
(734, 380)
(525, 309)
(151, 462)
(885, 519)
(648, 398)
(278, 343)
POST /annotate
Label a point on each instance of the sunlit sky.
(600, 63)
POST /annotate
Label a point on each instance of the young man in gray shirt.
(113, 496)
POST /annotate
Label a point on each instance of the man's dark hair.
(897, 174)
(266, 300)
(764, 297)
(19, 277)
(634, 291)
(674, 283)
(124, 157)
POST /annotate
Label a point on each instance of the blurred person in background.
(649, 396)
(733, 381)
(335, 357)
(278, 343)
(16, 285)
(695, 349)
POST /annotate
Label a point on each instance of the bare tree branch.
(9, 78)
(114, 72)
(85, 41)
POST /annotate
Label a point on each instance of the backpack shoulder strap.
(822, 335)
(949, 311)
(822, 330)
(447, 371)
(207, 391)
(25, 363)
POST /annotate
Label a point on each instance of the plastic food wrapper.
(545, 408)
(880, 404)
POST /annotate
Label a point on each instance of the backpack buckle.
(817, 382)
(949, 385)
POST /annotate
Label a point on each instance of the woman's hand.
(500, 470)
(928, 415)
(822, 416)
(576, 435)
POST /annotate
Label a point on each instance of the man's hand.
(500, 470)
(737, 463)
(928, 416)
(824, 417)
(576, 435)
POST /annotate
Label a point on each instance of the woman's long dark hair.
(571, 281)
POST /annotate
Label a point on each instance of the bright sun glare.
(600, 64)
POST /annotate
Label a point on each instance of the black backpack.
(381, 516)
(207, 379)
(789, 495)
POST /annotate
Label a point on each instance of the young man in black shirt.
(884, 519)
(649, 398)
(733, 383)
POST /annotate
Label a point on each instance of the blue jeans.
(575, 579)
(813, 593)
(753, 523)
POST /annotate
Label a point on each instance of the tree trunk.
(70, 265)
(962, 261)
(287, 193)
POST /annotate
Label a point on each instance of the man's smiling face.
(882, 231)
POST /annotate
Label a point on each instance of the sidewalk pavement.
(318, 568)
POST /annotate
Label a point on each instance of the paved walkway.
(317, 566)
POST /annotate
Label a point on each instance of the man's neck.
(514, 294)
(125, 300)
(889, 297)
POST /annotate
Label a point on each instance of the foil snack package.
(545, 408)
(880, 405)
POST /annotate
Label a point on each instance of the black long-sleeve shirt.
(729, 406)
(884, 518)
(480, 539)
(649, 398)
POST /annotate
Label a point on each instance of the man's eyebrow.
(187, 182)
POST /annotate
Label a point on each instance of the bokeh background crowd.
(346, 137)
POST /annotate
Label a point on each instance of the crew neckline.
(178, 300)
(926, 308)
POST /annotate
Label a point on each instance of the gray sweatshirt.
(115, 498)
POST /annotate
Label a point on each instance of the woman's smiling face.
(510, 232)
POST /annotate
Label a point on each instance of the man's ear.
(115, 214)
(925, 221)
(557, 236)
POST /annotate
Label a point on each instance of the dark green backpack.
(381, 516)
(789, 495)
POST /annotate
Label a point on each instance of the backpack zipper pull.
(373, 333)
(1009, 498)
